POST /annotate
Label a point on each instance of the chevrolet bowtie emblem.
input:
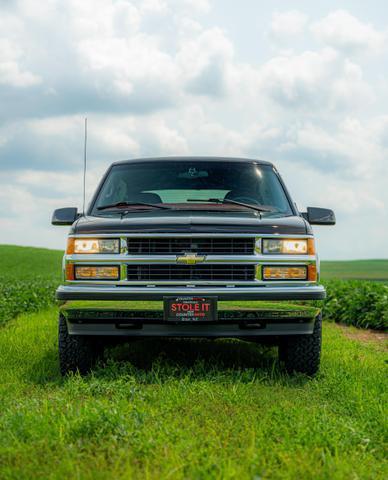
(190, 258)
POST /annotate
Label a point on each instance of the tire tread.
(303, 353)
(76, 353)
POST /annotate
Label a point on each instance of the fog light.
(284, 273)
(93, 272)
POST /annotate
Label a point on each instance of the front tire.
(76, 353)
(303, 353)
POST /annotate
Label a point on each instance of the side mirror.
(319, 216)
(64, 216)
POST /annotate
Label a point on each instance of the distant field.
(28, 279)
(29, 262)
(355, 270)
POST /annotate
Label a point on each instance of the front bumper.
(102, 292)
(138, 311)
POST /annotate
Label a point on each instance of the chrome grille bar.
(190, 273)
(201, 245)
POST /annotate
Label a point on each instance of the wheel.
(76, 352)
(303, 353)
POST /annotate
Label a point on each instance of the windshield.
(178, 184)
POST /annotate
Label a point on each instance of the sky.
(302, 84)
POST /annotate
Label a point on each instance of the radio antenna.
(85, 145)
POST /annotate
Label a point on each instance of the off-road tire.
(303, 353)
(76, 353)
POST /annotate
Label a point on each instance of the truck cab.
(191, 247)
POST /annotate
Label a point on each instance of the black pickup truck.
(191, 247)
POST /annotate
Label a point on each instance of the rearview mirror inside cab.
(64, 216)
(319, 216)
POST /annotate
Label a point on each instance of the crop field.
(28, 279)
(185, 408)
(29, 263)
(376, 270)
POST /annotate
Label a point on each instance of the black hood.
(191, 222)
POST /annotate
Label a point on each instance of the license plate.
(190, 309)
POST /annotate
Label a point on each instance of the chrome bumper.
(265, 293)
(242, 312)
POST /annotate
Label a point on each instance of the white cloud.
(314, 79)
(199, 6)
(286, 24)
(12, 71)
(346, 148)
(345, 32)
(203, 60)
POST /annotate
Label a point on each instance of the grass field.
(28, 279)
(355, 270)
(183, 409)
(30, 262)
(189, 409)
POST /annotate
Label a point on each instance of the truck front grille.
(191, 273)
(179, 245)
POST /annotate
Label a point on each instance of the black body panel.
(156, 221)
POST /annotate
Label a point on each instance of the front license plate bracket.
(193, 309)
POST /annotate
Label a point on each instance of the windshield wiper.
(132, 204)
(232, 202)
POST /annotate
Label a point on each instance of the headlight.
(93, 272)
(288, 246)
(93, 245)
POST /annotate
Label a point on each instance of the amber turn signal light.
(312, 273)
(70, 271)
(70, 246)
(310, 246)
(94, 272)
(284, 273)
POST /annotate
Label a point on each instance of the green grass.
(355, 270)
(189, 409)
(182, 408)
(29, 262)
(28, 279)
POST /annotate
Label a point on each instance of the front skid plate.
(190, 330)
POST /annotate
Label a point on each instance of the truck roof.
(193, 158)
